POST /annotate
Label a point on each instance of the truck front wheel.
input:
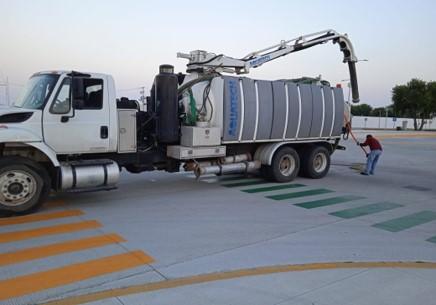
(23, 186)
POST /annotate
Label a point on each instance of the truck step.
(89, 162)
(91, 189)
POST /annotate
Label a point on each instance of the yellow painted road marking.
(31, 283)
(211, 277)
(39, 217)
(51, 230)
(58, 248)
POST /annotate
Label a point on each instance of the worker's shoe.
(364, 173)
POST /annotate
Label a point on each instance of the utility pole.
(7, 92)
(142, 93)
(386, 120)
(6, 85)
(349, 88)
(379, 119)
(142, 97)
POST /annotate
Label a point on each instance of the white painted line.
(257, 111)
(286, 111)
(334, 110)
(241, 128)
(299, 112)
(323, 111)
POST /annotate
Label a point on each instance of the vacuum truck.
(69, 132)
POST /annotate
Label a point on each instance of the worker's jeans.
(372, 160)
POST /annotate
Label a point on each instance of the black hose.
(353, 82)
(196, 81)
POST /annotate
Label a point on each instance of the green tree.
(413, 100)
(431, 91)
(361, 110)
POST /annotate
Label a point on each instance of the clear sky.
(130, 39)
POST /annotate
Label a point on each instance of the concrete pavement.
(160, 227)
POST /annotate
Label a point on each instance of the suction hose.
(353, 82)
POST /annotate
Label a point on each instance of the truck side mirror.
(78, 104)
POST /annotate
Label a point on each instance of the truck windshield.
(37, 91)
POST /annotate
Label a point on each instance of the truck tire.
(315, 162)
(284, 166)
(24, 185)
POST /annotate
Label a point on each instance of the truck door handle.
(104, 132)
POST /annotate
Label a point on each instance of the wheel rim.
(287, 165)
(16, 187)
(319, 162)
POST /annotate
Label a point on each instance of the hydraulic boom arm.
(204, 62)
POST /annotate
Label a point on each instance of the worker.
(373, 155)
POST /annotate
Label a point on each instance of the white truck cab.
(83, 126)
(51, 118)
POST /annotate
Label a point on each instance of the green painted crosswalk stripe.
(273, 188)
(366, 210)
(432, 239)
(328, 201)
(299, 194)
(406, 222)
(245, 183)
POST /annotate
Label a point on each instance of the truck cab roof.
(71, 73)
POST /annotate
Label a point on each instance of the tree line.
(368, 110)
(416, 100)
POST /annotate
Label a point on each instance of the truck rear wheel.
(23, 186)
(315, 162)
(284, 166)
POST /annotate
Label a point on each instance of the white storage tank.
(248, 110)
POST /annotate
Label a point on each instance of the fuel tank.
(81, 175)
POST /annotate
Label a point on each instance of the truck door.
(76, 119)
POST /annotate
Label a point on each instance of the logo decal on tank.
(260, 60)
(233, 118)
